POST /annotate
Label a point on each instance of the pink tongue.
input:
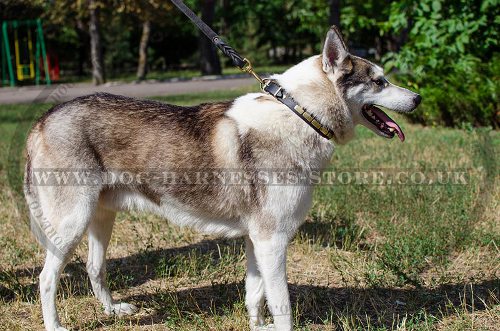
(389, 122)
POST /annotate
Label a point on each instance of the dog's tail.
(31, 193)
(30, 190)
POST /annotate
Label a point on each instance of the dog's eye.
(379, 81)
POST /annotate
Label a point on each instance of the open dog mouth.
(384, 124)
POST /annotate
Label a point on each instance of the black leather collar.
(278, 92)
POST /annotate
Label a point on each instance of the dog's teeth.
(391, 130)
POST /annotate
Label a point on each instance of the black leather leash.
(269, 86)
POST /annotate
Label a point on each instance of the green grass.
(369, 257)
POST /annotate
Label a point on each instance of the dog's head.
(363, 87)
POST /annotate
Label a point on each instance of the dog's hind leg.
(49, 278)
(99, 235)
(64, 222)
(254, 288)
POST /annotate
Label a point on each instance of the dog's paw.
(120, 309)
(268, 327)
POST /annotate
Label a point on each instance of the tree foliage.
(451, 57)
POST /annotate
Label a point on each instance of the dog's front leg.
(254, 288)
(270, 254)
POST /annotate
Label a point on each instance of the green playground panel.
(24, 70)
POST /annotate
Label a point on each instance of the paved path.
(64, 92)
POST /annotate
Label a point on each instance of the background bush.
(451, 57)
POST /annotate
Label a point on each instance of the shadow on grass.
(123, 273)
(377, 306)
(6, 293)
(380, 307)
(342, 233)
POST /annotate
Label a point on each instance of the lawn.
(369, 257)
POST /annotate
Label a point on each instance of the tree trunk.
(226, 11)
(82, 33)
(95, 44)
(335, 13)
(209, 59)
(379, 44)
(142, 67)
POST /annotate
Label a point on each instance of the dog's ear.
(335, 50)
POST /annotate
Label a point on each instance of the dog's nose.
(417, 100)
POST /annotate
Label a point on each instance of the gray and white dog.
(113, 134)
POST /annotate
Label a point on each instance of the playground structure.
(29, 64)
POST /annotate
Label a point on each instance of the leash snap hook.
(249, 69)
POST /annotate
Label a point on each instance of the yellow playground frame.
(24, 70)
(29, 53)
